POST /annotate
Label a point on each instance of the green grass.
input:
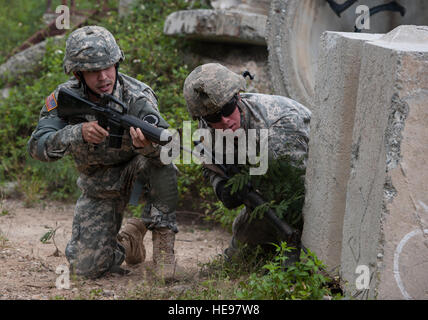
(18, 21)
(253, 277)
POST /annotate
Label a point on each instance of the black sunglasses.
(225, 111)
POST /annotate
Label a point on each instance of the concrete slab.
(255, 6)
(330, 142)
(218, 25)
(385, 225)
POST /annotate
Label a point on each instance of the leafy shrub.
(282, 187)
(302, 280)
(224, 215)
(18, 22)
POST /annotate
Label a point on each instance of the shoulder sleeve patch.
(51, 102)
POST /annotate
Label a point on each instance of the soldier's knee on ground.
(94, 263)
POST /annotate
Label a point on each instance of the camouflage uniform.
(106, 175)
(286, 120)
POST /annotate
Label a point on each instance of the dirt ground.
(28, 266)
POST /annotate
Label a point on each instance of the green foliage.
(18, 22)
(224, 215)
(47, 236)
(136, 211)
(302, 280)
(256, 275)
(282, 187)
(20, 19)
(219, 279)
(56, 180)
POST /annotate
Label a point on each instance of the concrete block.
(225, 4)
(386, 217)
(26, 61)
(255, 6)
(330, 142)
(218, 25)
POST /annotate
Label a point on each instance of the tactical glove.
(230, 200)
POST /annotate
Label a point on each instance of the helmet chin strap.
(87, 90)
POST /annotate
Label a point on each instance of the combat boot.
(131, 237)
(165, 264)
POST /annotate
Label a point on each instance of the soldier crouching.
(108, 175)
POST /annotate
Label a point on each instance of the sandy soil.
(28, 266)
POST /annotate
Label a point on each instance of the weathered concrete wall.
(387, 189)
(255, 6)
(366, 183)
(218, 25)
(234, 21)
(329, 158)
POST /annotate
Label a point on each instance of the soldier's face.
(232, 121)
(101, 81)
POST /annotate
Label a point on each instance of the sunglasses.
(226, 111)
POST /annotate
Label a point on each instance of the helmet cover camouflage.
(209, 87)
(91, 48)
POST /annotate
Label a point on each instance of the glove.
(229, 200)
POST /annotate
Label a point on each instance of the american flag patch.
(51, 102)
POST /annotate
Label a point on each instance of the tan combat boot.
(131, 237)
(165, 265)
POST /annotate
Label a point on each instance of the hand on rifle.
(138, 138)
(92, 132)
(229, 199)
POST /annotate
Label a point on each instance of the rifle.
(115, 120)
(253, 199)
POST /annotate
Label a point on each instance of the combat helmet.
(91, 48)
(209, 87)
